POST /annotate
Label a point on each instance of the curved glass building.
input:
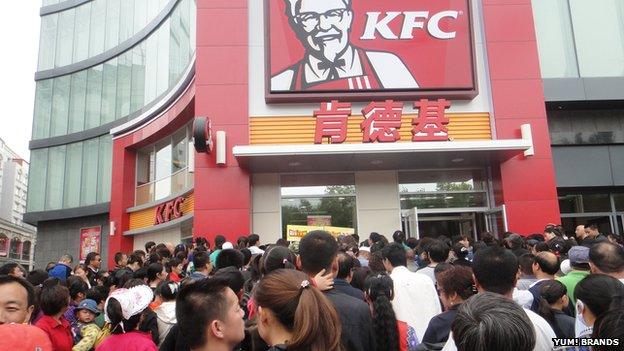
(102, 64)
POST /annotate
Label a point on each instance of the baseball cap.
(578, 254)
(89, 305)
(23, 337)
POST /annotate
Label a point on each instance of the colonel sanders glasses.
(311, 20)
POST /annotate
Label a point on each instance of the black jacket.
(357, 324)
(439, 327)
(341, 286)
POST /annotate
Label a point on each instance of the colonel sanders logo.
(331, 62)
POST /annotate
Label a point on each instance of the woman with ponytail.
(293, 315)
(596, 295)
(390, 334)
(124, 308)
(554, 300)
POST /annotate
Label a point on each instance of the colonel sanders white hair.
(292, 5)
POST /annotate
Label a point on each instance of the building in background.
(581, 48)
(17, 239)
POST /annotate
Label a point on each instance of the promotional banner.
(90, 239)
(319, 220)
(362, 48)
(296, 232)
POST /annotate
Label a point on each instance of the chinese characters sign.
(320, 49)
(382, 121)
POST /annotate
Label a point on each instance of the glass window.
(60, 106)
(185, 32)
(37, 179)
(162, 80)
(104, 168)
(81, 32)
(555, 39)
(109, 91)
(447, 181)
(47, 41)
(444, 200)
(584, 203)
(98, 14)
(599, 36)
(112, 24)
(318, 184)
(175, 64)
(126, 24)
(77, 101)
(43, 105)
(73, 169)
(124, 84)
(65, 38)
(151, 68)
(163, 169)
(88, 186)
(94, 97)
(137, 97)
(193, 21)
(180, 145)
(26, 250)
(619, 202)
(56, 175)
(145, 163)
(140, 14)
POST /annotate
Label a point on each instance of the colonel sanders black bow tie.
(332, 67)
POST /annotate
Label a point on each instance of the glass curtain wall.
(605, 209)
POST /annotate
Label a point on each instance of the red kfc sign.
(169, 211)
(364, 50)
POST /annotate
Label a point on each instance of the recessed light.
(457, 160)
(376, 162)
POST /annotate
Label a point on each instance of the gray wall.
(583, 166)
(55, 238)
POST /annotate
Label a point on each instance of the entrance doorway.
(449, 225)
(428, 223)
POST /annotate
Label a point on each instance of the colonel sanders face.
(322, 26)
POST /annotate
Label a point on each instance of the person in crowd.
(17, 300)
(580, 233)
(607, 258)
(526, 271)
(540, 247)
(99, 294)
(359, 277)
(596, 295)
(175, 268)
(415, 298)
(62, 270)
(14, 269)
(254, 242)
(149, 246)
(376, 263)
(294, 315)
(461, 254)
(515, 243)
(317, 252)
(454, 286)
(609, 326)
(615, 239)
(25, 337)
(579, 262)
(54, 301)
(342, 283)
(554, 239)
(593, 236)
(277, 257)
(148, 321)
(242, 242)
(84, 329)
(124, 308)
(229, 258)
(438, 252)
(554, 300)
(168, 291)
(489, 321)
(399, 237)
(209, 316)
(202, 265)
(77, 292)
(218, 246)
(545, 266)
(390, 333)
(92, 264)
(156, 274)
(364, 255)
(495, 270)
(121, 260)
(81, 272)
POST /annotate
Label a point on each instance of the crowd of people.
(325, 294)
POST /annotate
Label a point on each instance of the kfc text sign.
(365, 49)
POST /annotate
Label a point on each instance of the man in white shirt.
(415, 297)
(495, 270)
(254, 241)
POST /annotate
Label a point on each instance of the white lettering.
(373, 24)
(434, 25)
(410, 22)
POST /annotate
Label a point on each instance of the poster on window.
(296, 232)
(320, 220)
(4, 246)
(90, 239)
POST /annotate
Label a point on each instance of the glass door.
(496, 221)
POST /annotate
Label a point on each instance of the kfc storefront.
(353, 116)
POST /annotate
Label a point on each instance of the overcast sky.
(19, 37)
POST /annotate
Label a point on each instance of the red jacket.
(59, 332)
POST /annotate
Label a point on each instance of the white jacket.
(166, 319)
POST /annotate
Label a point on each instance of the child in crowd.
(85, 329)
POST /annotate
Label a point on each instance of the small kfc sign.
(365, 50)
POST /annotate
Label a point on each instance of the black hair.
(37, 277)
(600, 293)
(97, 294)
(30, 290)
(380, 291)
(551, 291)
(359, 277)
(153, 270)
(246, 256)
(253, 239)
(54, 297)
(233, 277)
(398, 236)
(219, 241)
(547, 266)
(90, 257)
(345, 265)
(242, 242)
(115, 315)
(153, 258)
(525, 262)
(442, 267)
(282, 242)
(229, 258)
(607, 257)
(8, 268)
(163, 251)
(374, 237)
(375, 263)
(198, 304)
(412, 243)
(149, 245)
(174, 262)
(140, 273)
(200, 260)
(542, 247)
(277, 257)
(438, 251)
(168, 290)
(610, 325)
(495, 269)
(181, 256)
(76, 286)
(395, 253)
(317, 251)
(135, 258)
(119, 256)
